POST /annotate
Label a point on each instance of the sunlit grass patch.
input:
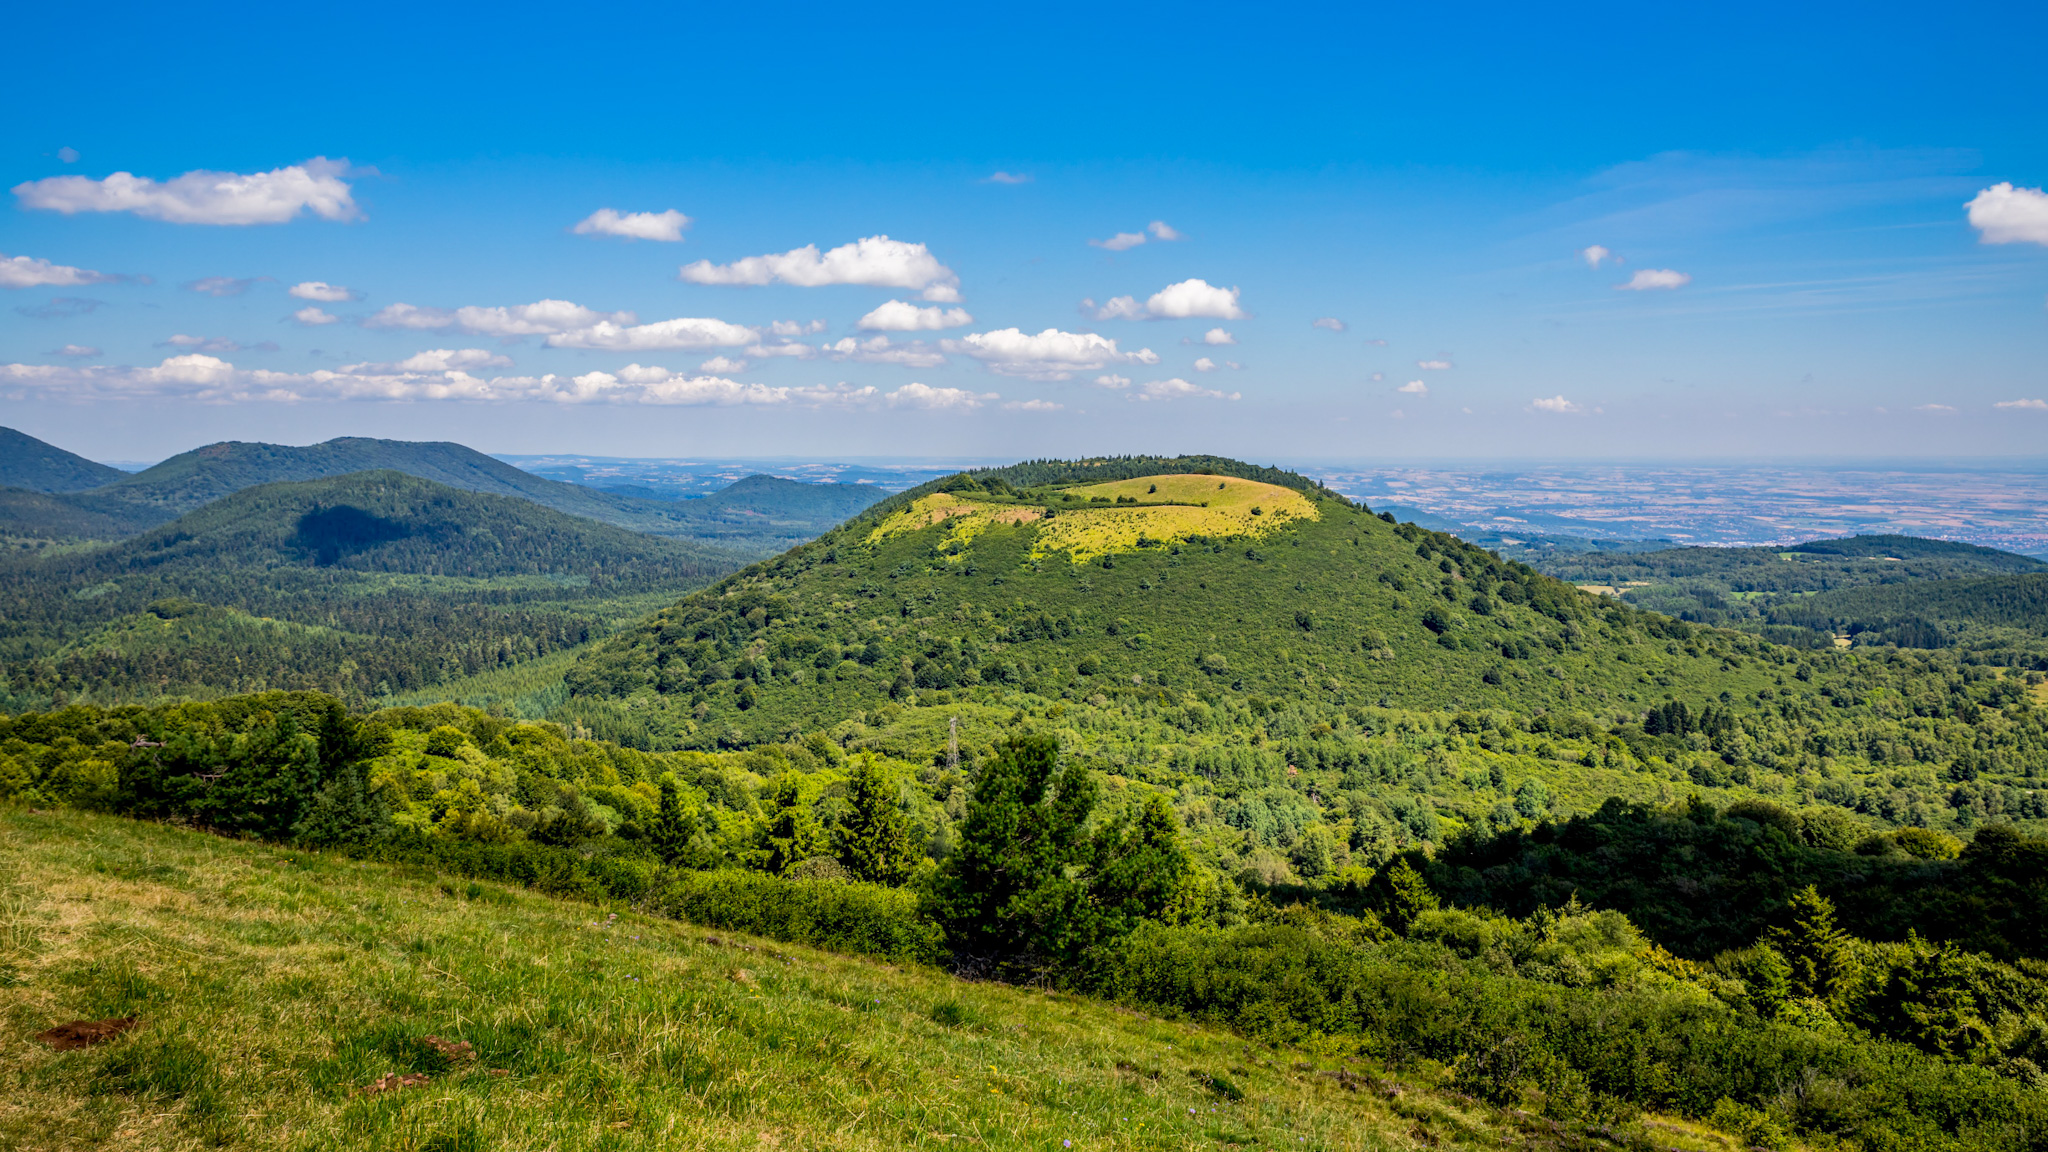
(1167, 508)
(300, 1001)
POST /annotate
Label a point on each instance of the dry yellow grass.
(1170, 508)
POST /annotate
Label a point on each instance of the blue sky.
(1465, 194)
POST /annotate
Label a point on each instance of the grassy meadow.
(274, 986)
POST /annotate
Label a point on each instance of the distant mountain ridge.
(26, 462)
(761, 515)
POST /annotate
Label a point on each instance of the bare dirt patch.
(86, 1033)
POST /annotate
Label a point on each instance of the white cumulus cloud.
(878, 350)
(787, 349)
(540, 318)
(31, 272)
(2003, 214)
(1413, 388)
(321, 292)
(2029, 405)
(1218, 336)
(876, 261)
(313, 317)
(1433, 365)
(1554, 404)
(1048, 355)
(900, 316)
(203, 197)
(1191, 298)
(1594, 255)
(1204, 364)
(1112, 381)
(788, 328)
(1033, 406)
(1161, 230)
(435, 360)
(722, 364)
(665, 226)
(1651, 279)
(682, 332)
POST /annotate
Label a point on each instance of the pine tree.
(674, 827)
(793, 834)
(1142, 871)
(875, 842)
(1821, 955)
(1408, 896)
(1005, 897)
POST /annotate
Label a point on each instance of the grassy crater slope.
(1212, 586)
(366, 584)
(274, 985)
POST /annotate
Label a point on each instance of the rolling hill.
(1287, 661)
(762, 518)
(26, 462)
(364, 584)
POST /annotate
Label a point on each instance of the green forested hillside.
(366, 585)
(26, 462)
(1319, 687)
(2001, 619)
(1570, 1021)
(1766, 591)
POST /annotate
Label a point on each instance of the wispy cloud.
(2023, 405)
(76, 352)
(1178, 389)
(1557, 404)
(1433, 365)
(321, 292)
(665, 226)
(203, 197)
(1000, 177)
(1328, 322)
(313, 317)
(61, 307)
(1416, 388)
(1594, 255)
(222, 285)
(1654, 279)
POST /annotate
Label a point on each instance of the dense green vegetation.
(1806, 1028)
(364, 585)
(1197, 737)
(760, 515)
(1875, 590)
(29, 463)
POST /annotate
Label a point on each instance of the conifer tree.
(1005, 898)
(1821, 955)
(793, 834)
(1142, 871)
(674, 826)
(875, 842)
(1409, 896)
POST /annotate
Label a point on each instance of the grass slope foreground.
(26, 462)
(276, 990)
